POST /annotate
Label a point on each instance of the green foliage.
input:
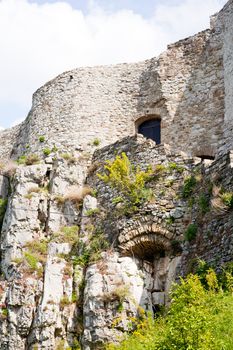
(65, 301)
(170, 220)
(36, 252)
(67, 234)
(189, 185)
(4, 312)
(191, 232)
(92, 212)
(54, 149)
(96, 142)
(117, 200)
(227, 199)
(204, 203)
(3, 207)
(38, 247)
(47, 151)
(160, 168)
(70, 158)
(129, 180)
(42, 139)
(199, 318)
(174, 166)
(21, 160)
(91, 251)
(32, 260)
(28, 160)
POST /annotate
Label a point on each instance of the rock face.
(78, 267)
(189, 87)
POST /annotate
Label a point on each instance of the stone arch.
(150, 127)
(145, 241)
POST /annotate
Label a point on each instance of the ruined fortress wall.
(8, 138)
(184, 87)
(227, 14)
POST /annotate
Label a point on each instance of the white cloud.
(40, 41)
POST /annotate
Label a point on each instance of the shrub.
(32, 260)
(96, 142)
(36, 252)
(119, 293)
(204, 203)
(91, 251)
(191, 232)
(65, 301)
(129, 180)
(4, 312)
(67, 234)
(32, 159)
(189, 185)
(41, 139)
(3, 207)
(92, 212)
(160, 168)
(70, 158)
(198, 318)
(227, 199)
(174, 166)
(47, 151)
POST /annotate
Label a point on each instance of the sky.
(40, 39)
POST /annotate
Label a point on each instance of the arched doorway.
(151, 129)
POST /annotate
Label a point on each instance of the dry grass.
(76, 193)
(7, 167)
(34, 189)
(93, 167)
(218, 205)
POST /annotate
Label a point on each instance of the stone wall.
(214, 241)
(184, 87)
(227, 14)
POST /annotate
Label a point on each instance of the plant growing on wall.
(129, 180)
(3, 207)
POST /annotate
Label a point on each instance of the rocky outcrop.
(80, 262)
(77, 268)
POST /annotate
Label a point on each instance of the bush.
(174, 166)
(189, 185)
(70, 158)
(191, 232)
(67, 234)
(227, 199)
(47, 151)
(96, 142)
(28, 160)
(42, 139)
(3, 207)
(35, 254)
(198, 318)
(204, 203)
(129, 180)
(91, 251)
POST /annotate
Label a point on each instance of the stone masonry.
(77, 265)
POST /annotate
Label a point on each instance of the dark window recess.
(206, 157)
(151, 129)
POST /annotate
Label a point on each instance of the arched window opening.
(203, 157)
(151, 129)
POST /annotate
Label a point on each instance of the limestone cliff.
(77, 264)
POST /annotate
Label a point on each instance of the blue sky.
(40, 39)
(144, 7)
